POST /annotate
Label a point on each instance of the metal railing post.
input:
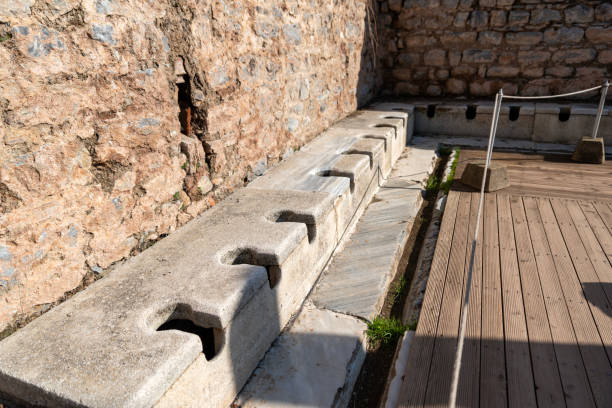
(466, 299)
(602, 102)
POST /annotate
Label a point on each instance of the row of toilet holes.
(470, 112)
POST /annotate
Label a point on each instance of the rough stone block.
(579, 14)
(496, 179)
(545, 16)
(578, 56)
(603, 12)
(435, 57)
(498, 18)
(563, 35)
(599, 35)
(524, 38)
(518, 18)
(478, 56)
(590, 150)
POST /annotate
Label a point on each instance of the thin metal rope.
(554, 96)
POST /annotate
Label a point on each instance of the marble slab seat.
(538, 121)
(234, 276)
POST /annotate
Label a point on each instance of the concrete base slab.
(497, 176)
(313, 364)
(590, 150)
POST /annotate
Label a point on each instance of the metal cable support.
(498, 102)
(556, 96)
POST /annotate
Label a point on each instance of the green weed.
(400, 288)
(446, 185)
(385, 330)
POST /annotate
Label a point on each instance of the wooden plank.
(571, 367)
(563, 239)
(601, 223)
(438, 387)
(525, 191)
(420, 355)
(549, 391)
(594, 191)
(521, 386)
(493, 367)
(468, 392)
(595, 253)
(605, 212)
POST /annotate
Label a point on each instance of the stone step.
(315, 362)
(185, 322)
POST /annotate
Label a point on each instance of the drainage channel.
(370, 388)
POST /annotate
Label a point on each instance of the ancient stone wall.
(120, 120)
(474, 47)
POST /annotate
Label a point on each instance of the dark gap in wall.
(470, 112)
(564, 113)
(514, 113)
(431, 111)
(184, 101)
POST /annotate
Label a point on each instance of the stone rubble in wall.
(524, 47)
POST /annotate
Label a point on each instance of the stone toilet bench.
(234, 276)
(564, 123)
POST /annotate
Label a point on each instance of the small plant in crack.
(177, 196)
(433, 184)
(446, 185)
(384, 330)
(400, 288)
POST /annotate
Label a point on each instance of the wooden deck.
(539, 325)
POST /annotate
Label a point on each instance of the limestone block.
(590, 150)
(497, 176)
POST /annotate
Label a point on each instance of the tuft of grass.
(177, 196)
(446, 185)
(184, 166)
(385, 330)
(400, 288)
(433, 184)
